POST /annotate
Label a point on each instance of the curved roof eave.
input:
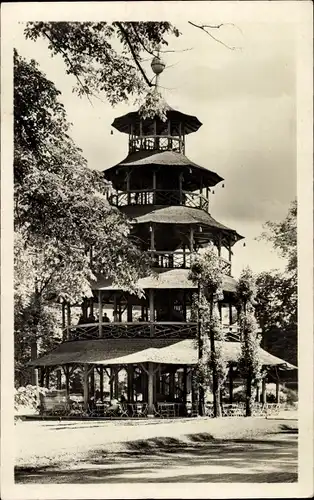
(163, 158)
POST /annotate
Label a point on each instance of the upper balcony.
(145, 329)
(157, 142)
(160, 197)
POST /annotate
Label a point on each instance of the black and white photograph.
(156, 219)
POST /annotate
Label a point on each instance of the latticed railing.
(160, 197)
(180, 260)
(130, 330)
(156, 142)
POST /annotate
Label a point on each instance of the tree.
(111, 59)
(250, 363)
(61, 211)
(276, 299)
(207, 273)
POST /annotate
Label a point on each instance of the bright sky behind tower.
(246, 102)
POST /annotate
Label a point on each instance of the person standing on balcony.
(105, 318)
(91, 318)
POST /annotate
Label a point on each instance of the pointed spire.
(157, 66)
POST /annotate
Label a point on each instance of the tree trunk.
(200, 356)
(216, 391)
(248, 409)
(34, 355)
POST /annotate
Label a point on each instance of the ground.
(195, 450)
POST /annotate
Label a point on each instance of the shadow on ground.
(196, 458)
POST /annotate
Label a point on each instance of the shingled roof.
(178, 214)
(164, 279)
(134, 351)
(191, 123)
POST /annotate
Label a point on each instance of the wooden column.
(100, 312)
(230, 313)
(154, 187)
(151, 311)
(115, 312)
(92, 381)
(129, 310)
(257, 393)
(172, 383)
(277, 391)
(42, 377)
(48, 369)
(191, 239)
(130, 371)
(219, 245)
(101, 381)
(185, 385)
(264, 397)
(180, 187)
(150, 389)
(152, 237)
(59, 379)
(230, 384)
(128, 186)
(111, 382)
(85, 385)
(116, 381)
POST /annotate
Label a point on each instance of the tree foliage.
(206, 272)
(61, 211)
(105, 58)
(277, 292)
(250, 363)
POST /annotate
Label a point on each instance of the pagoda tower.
(167, 198)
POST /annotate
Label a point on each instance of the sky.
(246, 101)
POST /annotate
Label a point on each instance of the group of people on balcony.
(91, 318)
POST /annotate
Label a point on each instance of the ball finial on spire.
(157, 64)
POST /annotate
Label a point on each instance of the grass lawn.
(195, 450)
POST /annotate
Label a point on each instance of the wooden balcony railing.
(116, 330)
(129, 330)
(166, 197)
(157, 142)
(180, 260)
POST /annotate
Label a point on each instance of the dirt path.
(198, 451)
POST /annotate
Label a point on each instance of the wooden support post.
(219, 245)
(116, 382)
(277, 390)
(171, 384)
(150, 390)
(257, 393)
(59, 379)
(151, 311)
(100, 312)
(128, 187)
(230, 313)
(48, 369)
(230, 384)
(101, 382)
(154, 187)
(129, 310)
(180, 188)
(185, 385)
(152, 237)
(130, 371)
(85, 386)
(111, 380)
(191, 239)
(92, 381)
(42, 377)
(264, 397)
(115, 311)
